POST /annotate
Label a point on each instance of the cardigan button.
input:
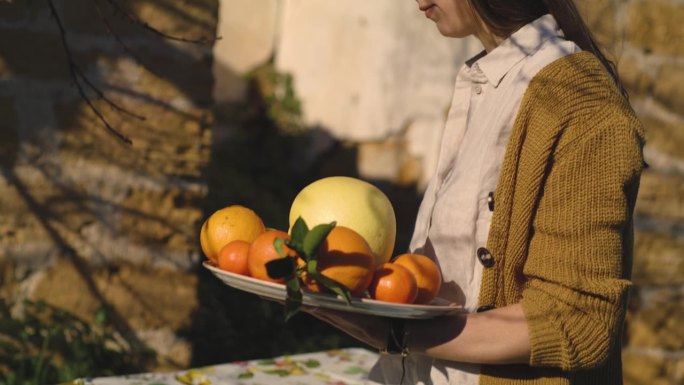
(490, 201)
(485, 308)
(485, 257)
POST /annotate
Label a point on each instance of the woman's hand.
(498, 336)
(365, 328)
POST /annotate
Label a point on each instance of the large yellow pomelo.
(352, 203)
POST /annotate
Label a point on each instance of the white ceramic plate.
(277, 291)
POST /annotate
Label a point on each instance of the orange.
(345, 257)
(229, 224)
(393, 283)
(233, 257)
(262, 251)
(425, 271)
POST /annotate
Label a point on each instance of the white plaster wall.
(363, 70)
(248, 30)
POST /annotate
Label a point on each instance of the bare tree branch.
(77, 74)
(102, 96)
(143, 24)
(113, 33)
(80, 79)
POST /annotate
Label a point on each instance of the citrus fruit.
(228, 224)
(351, 203)
(233, 257)
(262, 251)
(425, 271)
(393, 283)
(345, 257)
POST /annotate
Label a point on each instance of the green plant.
(46, 345)
(283, 107)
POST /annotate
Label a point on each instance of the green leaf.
(312, 266)
(314, 238)
(40, 307)
(298, 233)
(281, 267)
(278, 372)
(268, 361)
(355, 370)
(278, 245)
(246, 375)
(311, 363)
(101, 316)
(293, 301)
(333, 286)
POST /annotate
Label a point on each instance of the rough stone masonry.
(87, 220)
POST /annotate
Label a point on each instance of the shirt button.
(485, 257)
(478, 89)
(490, 201)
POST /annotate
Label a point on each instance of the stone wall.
(644, 37)
(89, 222)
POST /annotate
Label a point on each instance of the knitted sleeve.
(579, 256)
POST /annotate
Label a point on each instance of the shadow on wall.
(114, 227)
(261, 158)
(78, 204)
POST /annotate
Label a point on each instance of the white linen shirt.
(455, 214)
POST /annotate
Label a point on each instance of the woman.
(530, 211)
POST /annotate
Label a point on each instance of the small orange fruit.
(345, 257)
(233, 257)
(262, 251)
(226, 225)
(393, 283)
(427, 274)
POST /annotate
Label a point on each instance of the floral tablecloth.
(334, 367)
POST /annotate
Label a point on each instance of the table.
(333, 367)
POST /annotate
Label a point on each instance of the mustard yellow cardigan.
(561, 233)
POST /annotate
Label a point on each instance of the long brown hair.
(504, 17)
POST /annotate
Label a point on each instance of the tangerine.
(345, 257)
(393, 283)
(425, 271)
(233, 257)
(226, 225)
(262, 251)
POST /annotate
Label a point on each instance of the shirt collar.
(522, 43)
